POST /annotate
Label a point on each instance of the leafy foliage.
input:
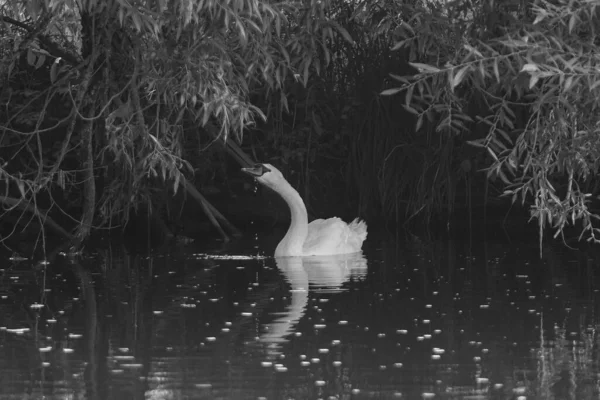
(102, 92)
(530, 86)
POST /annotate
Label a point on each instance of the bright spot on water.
(437, 350)
(36, 306)
(228, 257)
(323, 351)
(314, 360)
(203, 385)
(305, 363)
(337, 363)
(481, 381)
(398, 365)
(435, 356)
(519, 390)
(381, 335)
(335, 342)
(319, 326)
(280, 368)
(355, 391)
(45, 349)
(75, 335)
(426, 321)
(319, 383)
(18, 331)
(246, 314)
(428, 395)
(67, 350)
(402, 331)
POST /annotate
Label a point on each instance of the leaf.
(595, 85)
(40, 61)
(403, 79)
(409, 94)
(477, 143)
(459, 76)
(342, 31)
(533, 80)
(540, 17)
(30, 57)
(411, 110)
(473, 50)
(572, 22)
(54, 70)
(400, 44)
(568, 84)
(176, 183)
(389, 92)
(425, 68)
(492, 153)
(529, 67)
(21, 187)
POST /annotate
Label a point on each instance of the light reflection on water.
(406, 320)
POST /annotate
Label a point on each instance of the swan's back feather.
(334, 236)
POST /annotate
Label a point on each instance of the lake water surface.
(409, 318)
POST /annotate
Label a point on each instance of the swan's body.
(321, 237)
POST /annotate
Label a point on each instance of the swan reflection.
(320, 273)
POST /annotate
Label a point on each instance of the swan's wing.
(334, 236)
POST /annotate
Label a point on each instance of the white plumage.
(319, 238)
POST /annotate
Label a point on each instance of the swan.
(322, 237)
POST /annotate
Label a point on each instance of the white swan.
(321, 237)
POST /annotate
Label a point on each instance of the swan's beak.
(257, 171)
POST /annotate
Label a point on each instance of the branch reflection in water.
(317, 273)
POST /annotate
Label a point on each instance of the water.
(407, 319)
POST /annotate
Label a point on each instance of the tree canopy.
(523, 85)
(107, 92)
(109, 104)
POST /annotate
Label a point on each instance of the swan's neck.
(293, 241)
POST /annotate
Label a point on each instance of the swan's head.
(266, 174)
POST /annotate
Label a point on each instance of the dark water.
(409, 318)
